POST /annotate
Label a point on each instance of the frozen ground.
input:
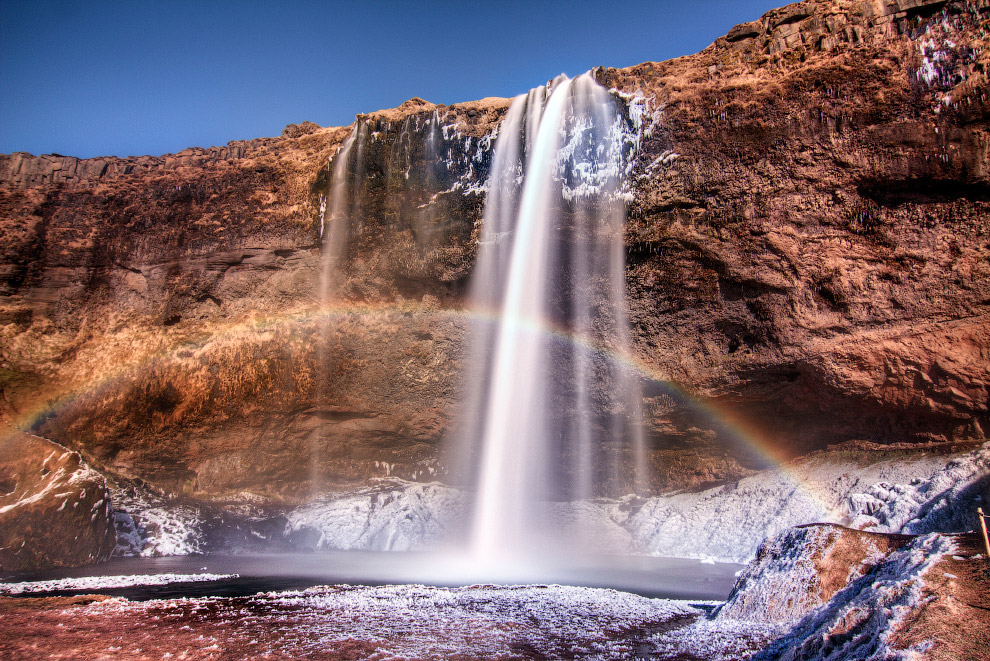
(765, 619)
(727, 524)
(152, 525)
(390, 515)
(925, 494)
(776, 605)
(337, 622)
(862, 621)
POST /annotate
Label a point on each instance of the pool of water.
(670, 578)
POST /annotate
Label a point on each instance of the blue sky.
(128, 77)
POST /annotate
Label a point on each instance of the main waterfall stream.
(552, 413)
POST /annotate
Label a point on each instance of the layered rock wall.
(807, 255)
(808, 244)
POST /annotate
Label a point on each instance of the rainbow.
(253, 325)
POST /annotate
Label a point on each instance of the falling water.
(336, 230)
(345, 199)
(555, 411)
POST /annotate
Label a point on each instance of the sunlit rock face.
(206, 357)
(54, 509)
(806, 250)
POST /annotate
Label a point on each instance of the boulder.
(55, 510)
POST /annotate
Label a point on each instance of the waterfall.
(345, 209)
(552, 408)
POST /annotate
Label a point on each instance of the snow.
(106, 582)
(775, 605)
(391, 515)
(729, 523)
(783, 584)
(944, 62)
(861, 621)
(152, 525)
(594, 161)
(943, 502)
(712, 640)
(931, 61)
(416, 621)
(725, 524)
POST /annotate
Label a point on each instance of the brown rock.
(807, 256)
(54, 509)
(744, 31)
(296, 130)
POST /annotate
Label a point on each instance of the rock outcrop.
(808, 261)
(801, 569)
(54, 509)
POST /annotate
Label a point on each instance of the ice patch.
(152, 525)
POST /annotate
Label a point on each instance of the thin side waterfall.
(553, 415)
(336, 229)
(344, 198)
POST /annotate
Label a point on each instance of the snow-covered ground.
(924, 494)
(361, 622)
(784, 583)
(775, 608)
(862, 620)
(727, 524)
(98, 583)
(766, 618)
(486, 621)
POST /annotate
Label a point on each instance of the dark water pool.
(670, 578)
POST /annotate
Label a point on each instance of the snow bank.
(788, 578)
(106, 582)
(392, 515)
(729, 523)
(926, 493)
(860, 622)
(942, 503)
(782, 608)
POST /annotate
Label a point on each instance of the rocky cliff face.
(808, 254)
(809, 240)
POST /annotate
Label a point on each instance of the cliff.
(807, 259)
